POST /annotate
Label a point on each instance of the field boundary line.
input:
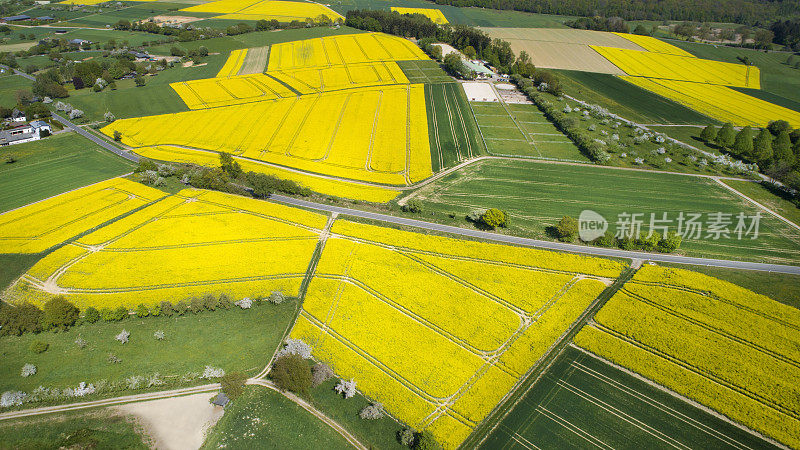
(770, 211)
(569, 426)
(678, 396)
(66, 192)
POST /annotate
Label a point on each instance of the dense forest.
(750, 12)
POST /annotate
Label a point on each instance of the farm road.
(528, 242)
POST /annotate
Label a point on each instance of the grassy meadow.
(234, 340)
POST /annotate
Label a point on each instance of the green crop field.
(127, 101)
(80, 429)
(772, 98)
(235, 340)
(773, 199)
(451, 128)
(584, 402)
(9, 85)
(537, 195)
(627, 100)
(137, 11)
(279, 420)
(522, 130)
(54, 165)
(776, 76)
(424, 72)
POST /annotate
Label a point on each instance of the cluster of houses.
(24, 18)
(17, 130)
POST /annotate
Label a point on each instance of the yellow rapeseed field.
(234, 90)
(189, 244)
(434, 14)
(370, 138)
(233, 63)
(728, 348)
(431, 327)
(325, 186)
(681, 68)
(282, 11)
(655, 45)
(39, 226)
(720, 102)
(342, 49)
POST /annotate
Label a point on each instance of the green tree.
(233, 384)
(709, 134)
(762, 147)
(641, 30)
(38, 346)
(413, 205)
(117, 135)
(726, 135)
(139, 80)
(142, 311)
(426, 441)
(91, 314)
(59, 314)
(782, 149)
(291, 373)
(670, 243)
(743, 144)
(776, 127)
(567, 229)
(494, 218)
(230, 165)
(20, 318)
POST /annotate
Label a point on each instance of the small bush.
(412, 206)
(291, 373)
(195, 305)
(80, 342)
(210, 302)
(212, 372)
(406, 437)
(244, 303)
(112, 359)
(159, 335)
(567, 229)
(426, 441)
(167, 309)
(39, 346)
(181, 307)
(233, 384)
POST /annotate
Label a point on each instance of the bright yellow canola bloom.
(681, 68)
(655, 45)
(732, 350)
(369, 134)
(189, 244)
(232, 64)
(720, 102)
(435, 15)
(438, 329)
(342, 49)
(283, 11)
(234, 90)
(321, 185)
(39, 226)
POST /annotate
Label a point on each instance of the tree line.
(749, 12)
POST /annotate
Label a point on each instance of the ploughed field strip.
(728, 348)
(522, 130)
(282, 11)
(322, 185)
(435, 15)
(50, 222)
(174, 249)
(537, 195)
(582, 401)
(436, 329)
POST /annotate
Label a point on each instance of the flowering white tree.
(212, 372)
(159, 335)
(371, 412)
(80, 342)
(12, 398)
(346, 388)
(123, 336)
(134, 382)
(295, 347)
(244, 303)
(75, 113)
(276, 297)
(28, 370)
